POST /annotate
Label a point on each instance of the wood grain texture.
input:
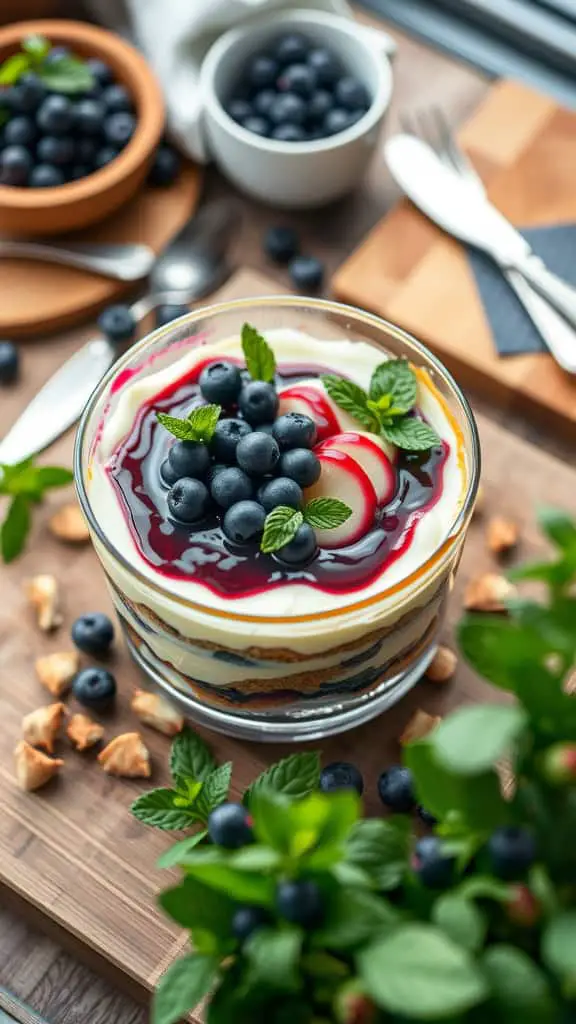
(412, 273)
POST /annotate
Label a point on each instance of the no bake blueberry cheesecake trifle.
(278, 491)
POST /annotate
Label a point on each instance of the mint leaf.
(280, 527)
(381, 849)
(559, 946)
(36, 46)
(182, 987)
(395, 379)
(179, 851)
(68, 75)
(52, 476)
(13, 67)
(199, 425)
(477, 798)
(295, 776)
(484, 887)
(518, 987)
(352, 399)
(181, 429)
(558, 526)
(353, 916)
(157, 808)
(194, 905)
(410, 434)
(273, 957)
(15, 529)
(472, 739)
(214, 790)
(213, 870)
(190, 758)
(260, 360)
(326, 513)
(256, 858)
(461, 920)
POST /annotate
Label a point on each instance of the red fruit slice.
(370, 452)
(343, 478)
(310, 400)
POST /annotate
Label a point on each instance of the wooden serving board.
(72, 856)
(41, 297)
(410, 272)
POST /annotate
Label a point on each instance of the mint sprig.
(24, 484)
(260, 359)
(352, 398)
(198, 426)
(283, 523)
(69, 74)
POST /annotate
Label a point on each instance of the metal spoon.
(120, 262)
(193, 265)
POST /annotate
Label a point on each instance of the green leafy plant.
(24, 485)
(283, 523)
(260, 359)
(68, 74)
(199, 425)
(492, 939)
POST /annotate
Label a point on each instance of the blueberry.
(300, 465)
(55, 150)
(239, 109)
(307, 272)
(95, 688)
(288, 133)
(258, 402)
(117, 323)
(214, 469)
(351, 93)
(189, 458)
(426, 816)
(165, 167)
(512, 851)
(325, 65)
(116, 99)
(188, 500)
(256, 125)
(244, 522)
(167, 474)
(301, 548)
(229, 825)
(281, 243)
(263, 101)
(336, 120)
(77, 171)
(119, 128)
(46, 176)
(262, 71)
(434, 868)
(93, 634)
(55, 115)
(230, 486)
(280, 491)
(220, 382)
(288, 109)
(295, 430)
(167, 313)
(9, 362)
(319, 104)
(291, 48)
(15, 166)
(89, 116)
(105, 156)
(247, 919)
(225, 439)
(341, 775)
(20, 131)
(257, 453)
(298, 78)
(100, 71)
(86, 150)
(396, 789)
(300, 902)
(28, 93)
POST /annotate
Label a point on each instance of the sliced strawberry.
(342, 477)
(309, 398)
(371, 454)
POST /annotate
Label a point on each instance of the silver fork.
(432, 128)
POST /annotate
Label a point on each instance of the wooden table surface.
(32, 965)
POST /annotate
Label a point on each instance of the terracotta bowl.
(48, 211)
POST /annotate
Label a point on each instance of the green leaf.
(518, 986)
(157, 808)
(211, 868)
(203, 421)
(182, 429)
(68, 75)
(194, 905)
(381, 849)
(352, 399)
(558, 526)
(461, 919)
(15, 528)
(559, 946)
(395, 378)
(36, 46)
(260, 361)
(472, 739)
(182, 987)
(410, 434)
(477, 798)
(255, 858)
(418, 972)
(280, 527)
(313, 828)
(296, 776)
(179, 851)
(13, 67)
(353, 916)
(214, 790)
(190, 758)
(326, 513)
(273, 956)
(484, 887)
(53, 476)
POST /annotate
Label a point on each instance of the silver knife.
(441, 195)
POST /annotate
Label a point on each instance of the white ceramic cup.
(296, 175)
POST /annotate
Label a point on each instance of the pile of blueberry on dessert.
(62, 118)
(297, 91)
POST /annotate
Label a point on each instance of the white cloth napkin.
(174, 35)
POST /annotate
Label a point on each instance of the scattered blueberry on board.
(229, 825)
(95, 688)
(93, 634)
(9, 362)
(117, 323)
(396, 789)
(297, 91)
(341, 775)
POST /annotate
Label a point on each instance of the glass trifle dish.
(278, 490)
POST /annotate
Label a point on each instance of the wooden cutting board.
(37, 298)
(409, 271)
(71, 856)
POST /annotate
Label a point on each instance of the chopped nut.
(126, 755)
(488, 593)
(34, 769)
(84, 732)
(443, 666)
(42, 592)
(41, 727)
(68, 524)
(56, 671)
(501, 535)
(506, 777)
(419, 726)
(157, 712)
